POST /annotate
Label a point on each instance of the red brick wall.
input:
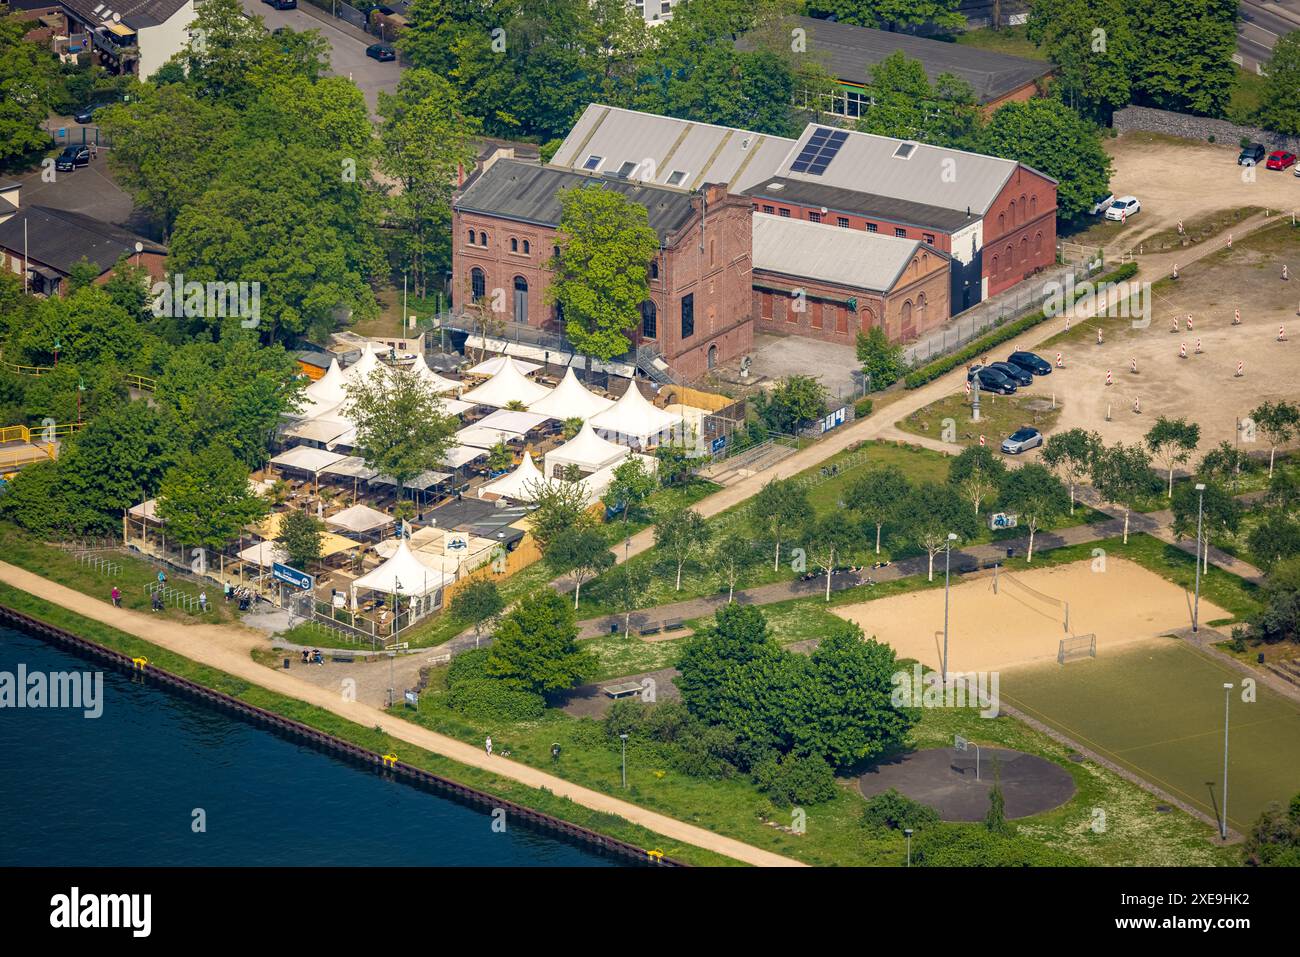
(1019, 230)
(885, 227)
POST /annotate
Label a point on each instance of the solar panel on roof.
(817, 154)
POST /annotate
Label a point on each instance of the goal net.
(1077, 646)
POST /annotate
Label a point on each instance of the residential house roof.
(849, 52)
(61, 239)
(134, 13)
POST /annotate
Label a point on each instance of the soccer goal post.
(1077, 646)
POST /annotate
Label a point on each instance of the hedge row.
(977, 347)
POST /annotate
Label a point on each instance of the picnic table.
(624, 690)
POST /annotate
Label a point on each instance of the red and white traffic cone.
(1060, 361)
(1174, 328)
(981, 441)
(1175, 270)
(1281, 333)
(1099, 338)
(1229, 240)
(1108, 378)
(1236, 317)
(1241, 369)
(1285, 273)
(1133, 365)
(1198, 345)
(1137, 406)
(1182, 351)
(1189, 322)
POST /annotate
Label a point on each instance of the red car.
(1280, 159)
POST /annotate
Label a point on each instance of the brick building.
(505, 224)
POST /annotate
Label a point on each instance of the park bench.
(346, 657)
(651, 628)
(671, 624)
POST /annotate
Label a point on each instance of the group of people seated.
(312, 657)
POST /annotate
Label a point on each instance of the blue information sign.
(291, 576)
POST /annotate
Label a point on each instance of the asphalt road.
(347, 46)
(1262, 22)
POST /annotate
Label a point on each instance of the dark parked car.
(72, 157)
(87, 114)
(1022, 440)
(381, 52)
(283, 4)
(1251, 155)
(1031, 361)
(1019, 376)
(991, 380)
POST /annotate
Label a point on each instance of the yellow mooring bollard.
(390, 760)
(140, 663)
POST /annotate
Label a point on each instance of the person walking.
(203, 601)
(117, 597)
(487, 746)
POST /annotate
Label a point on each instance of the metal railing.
(100, 563)
(173, 596)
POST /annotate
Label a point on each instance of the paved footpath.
(229, 648)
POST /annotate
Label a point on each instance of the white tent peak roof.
(507, 386)
(571, 400)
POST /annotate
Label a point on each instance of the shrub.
(467, 666)
(976, 348)
(489, 698)
(791, 779)
(973, 845)
(862, 408)
(895, 811)
(707, 752)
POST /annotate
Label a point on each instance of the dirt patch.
(589, 701)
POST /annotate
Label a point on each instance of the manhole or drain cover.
(1037, 405)
(1076, 757)
(1163, 809)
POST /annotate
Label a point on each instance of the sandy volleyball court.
(989, 632)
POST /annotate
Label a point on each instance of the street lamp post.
(623, 738)
(947, 565)
(908, 832)
(1196, 602)
(1223, 822)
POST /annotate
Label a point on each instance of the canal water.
(123, 789)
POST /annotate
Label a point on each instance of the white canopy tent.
(264, 554)
(329, 388)
(571, 400)
(402, 574)
(508, 385)
(633, 420)
(361, 370)
(587, 450)
(491, 367)
(325, 429)
(462, 455)
(438, 383)
(304, 458)
(521, 484)
(359, 518)
(507, 420)
(478, 437)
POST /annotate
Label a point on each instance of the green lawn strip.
(999, 416)
(368, 738)
(24, 550)
(834, 835)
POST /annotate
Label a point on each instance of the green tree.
(1033, 131)
(681, 534)
(1226, 462)
(301, 537)
(877, 496)
(1091, 42)
(28, 80)
(536, 647)
(479, 603)
(1278, 421)
(978, 474)
(882, 360)
(1172, 442)
(1274, 839)
(1279, 108)
(730, 556)
(796, 401)
(892, 15)
(1070, 455)
(403, 427)
(906, 106)
(626, 584)
(500, 458)
(1037, 496)
(1122, 474)
(205, 499)
(580, 550)
(557, 506)
(425, 141)
(778, 512)
(1184, 57)
(845, 712)
(1274, 540)
(829, 540)
(631, 486)
(1220, 514)
(930, 514)
(606, 245)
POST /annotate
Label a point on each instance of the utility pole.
(1196, 602)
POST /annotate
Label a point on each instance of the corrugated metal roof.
(847, 257)
(61, 239)
(780, 189)
(662, 146)
(929, 175)
(134, 13)
(530, 193)
(849, 52)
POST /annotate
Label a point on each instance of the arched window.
(514, 244)
(1033, 206)
(920, 309)
(907, 316)
(654, 269)
(1011, 213)
(527, 248)
(478, 283)
(649, 321)
(473, 237)
(521, 299)
(1038, 243)
(482, 238)
(1011, 256)
(713, 357)
(1002, 224)
(1024, 250)
(1023, 207)
(994, 270)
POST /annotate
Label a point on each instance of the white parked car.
(1123, 208)
(1102, 204)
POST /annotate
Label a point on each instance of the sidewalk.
(229, 648)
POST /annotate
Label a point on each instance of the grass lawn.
(369, 738)
(26, 551)
(834, 835)
(1000, 415)
(1011, 40)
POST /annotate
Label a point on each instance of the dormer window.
(593, 163)
(626, 169)
(676, 177)
(904, 150)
